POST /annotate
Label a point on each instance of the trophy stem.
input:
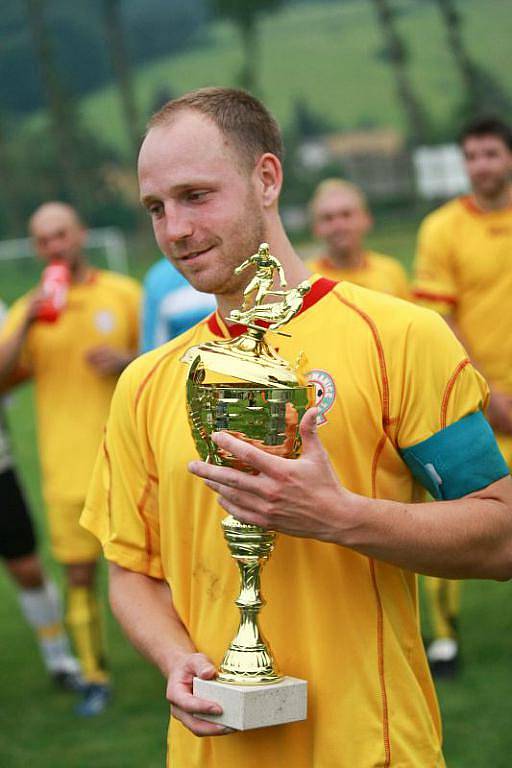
(248, 660)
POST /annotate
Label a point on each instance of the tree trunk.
(397, 52)
(122, 70)
(452, 23)
(10, 193)
(250, 46)
(61, 112)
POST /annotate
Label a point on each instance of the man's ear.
(268, 174)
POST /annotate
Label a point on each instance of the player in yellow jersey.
(464, 271)
(341, 219)
(74, 363)
(395, 393)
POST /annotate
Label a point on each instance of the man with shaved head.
(341, 219)
(74, 363)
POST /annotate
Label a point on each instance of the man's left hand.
(301, 497)
(108, 361)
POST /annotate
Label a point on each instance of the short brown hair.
(236, 114)
(487, 126)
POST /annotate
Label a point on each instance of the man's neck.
(347, 259)
(294, 269)
(498, 202)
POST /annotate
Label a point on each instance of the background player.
(37, 594)
(74, 363)
(170, 305)
(341, 220)
(464, 271)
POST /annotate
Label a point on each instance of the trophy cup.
(242, 385)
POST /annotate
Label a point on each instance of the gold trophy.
(243, 386)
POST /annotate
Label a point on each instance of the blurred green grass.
(37, 726)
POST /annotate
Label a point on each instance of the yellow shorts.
(69, 541)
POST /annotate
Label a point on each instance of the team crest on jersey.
(325, 392)
(104, 321)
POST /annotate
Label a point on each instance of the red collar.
(319, 289)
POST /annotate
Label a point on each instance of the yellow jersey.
(388, 375)
(464, 268)
(72, 399)
(378, 272)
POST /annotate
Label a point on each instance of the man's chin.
(490, 188)
(203, 282)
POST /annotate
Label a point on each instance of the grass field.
(327, 54)
(37, 727)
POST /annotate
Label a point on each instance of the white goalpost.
(109, 240)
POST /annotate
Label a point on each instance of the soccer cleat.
(67, 676)
(95, 697)
(68, 681)
(444, 658)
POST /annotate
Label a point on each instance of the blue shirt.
(171, 306)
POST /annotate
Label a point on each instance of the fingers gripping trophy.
(243, 386)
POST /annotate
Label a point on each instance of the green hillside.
(328, 54)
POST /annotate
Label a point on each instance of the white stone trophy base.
(254, 706)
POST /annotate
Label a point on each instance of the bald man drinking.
(74, 363)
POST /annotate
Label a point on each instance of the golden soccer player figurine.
(276, 313)
(340, 219)
(340, 586)
(463, 270)
(263, 280)
(74, 362)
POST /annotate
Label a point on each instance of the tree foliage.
(245, 14)
(153, 28)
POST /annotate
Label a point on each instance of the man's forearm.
(143, 606)
(126, 358)
(465, 538)
(10, 352)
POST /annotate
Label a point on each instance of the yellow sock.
(84, 624)
(443, 598)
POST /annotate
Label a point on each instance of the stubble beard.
(244, 241)
(492, 189)
(240, 241)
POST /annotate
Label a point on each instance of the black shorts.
(17, 537)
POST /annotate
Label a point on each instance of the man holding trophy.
(213, 417)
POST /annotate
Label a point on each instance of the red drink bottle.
(55, 282)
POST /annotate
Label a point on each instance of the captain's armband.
(458, 460)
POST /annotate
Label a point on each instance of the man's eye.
(197, 196)
(155, 209)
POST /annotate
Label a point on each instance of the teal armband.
(458, 460)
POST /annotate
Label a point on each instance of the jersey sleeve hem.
(148, 566)
(140, 562)
(458, 460)
(443, 303)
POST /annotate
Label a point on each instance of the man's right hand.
(34, 306)
(184, 705)
(499, 412)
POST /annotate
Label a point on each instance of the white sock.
(41, 608)
(442, 649)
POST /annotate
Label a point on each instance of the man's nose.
(54, 248)
(177, 223)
